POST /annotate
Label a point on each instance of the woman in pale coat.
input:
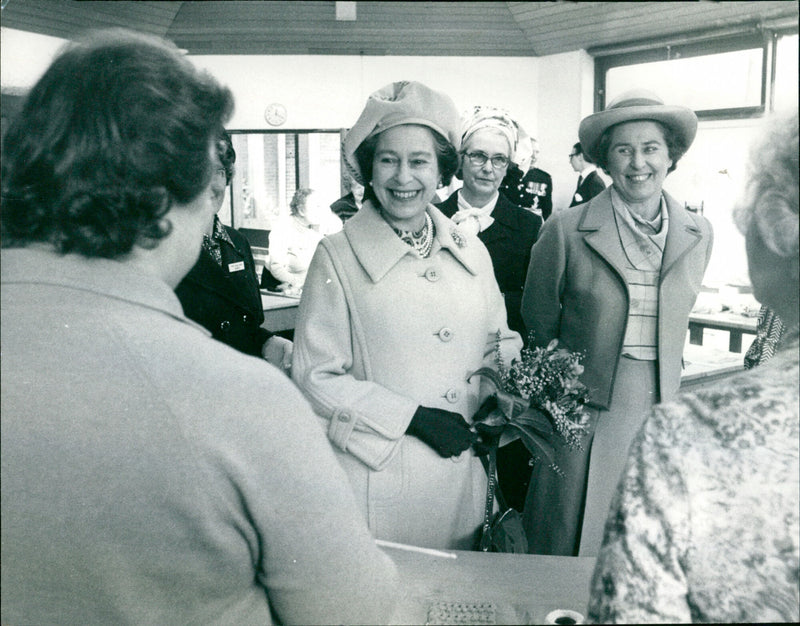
(614, 278)
(398, 310)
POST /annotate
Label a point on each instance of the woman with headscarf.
(706, 523)
(490, 141)
(398, 310)
(615, 279)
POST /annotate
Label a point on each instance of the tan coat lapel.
(601, 235)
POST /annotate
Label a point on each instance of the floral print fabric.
(704, 526)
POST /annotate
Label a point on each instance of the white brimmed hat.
(637, 104)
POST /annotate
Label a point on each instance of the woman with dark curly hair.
(398, 310)
(147, 469)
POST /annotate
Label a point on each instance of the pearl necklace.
(422, 240)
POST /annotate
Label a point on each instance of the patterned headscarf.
(499, 119)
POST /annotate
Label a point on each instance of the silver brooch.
(458, 238)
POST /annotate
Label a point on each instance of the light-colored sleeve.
(272, 480)
(544, 284)
(365, 419)
(639, 576)
(279, 243)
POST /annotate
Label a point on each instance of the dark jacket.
(590, 186)
(509, 241)
(226, 300)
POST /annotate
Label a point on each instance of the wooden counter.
(514, 589)
(280, 311)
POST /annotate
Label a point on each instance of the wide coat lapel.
(600, 228)
(378, 249)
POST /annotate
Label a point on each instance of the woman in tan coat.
(614, 278)
(398, 310)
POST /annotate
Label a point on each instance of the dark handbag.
(503, 532)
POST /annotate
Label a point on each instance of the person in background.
(149, 472)
(490, 141)
(615, 279)
(293, 241)
(346, 207)
(221, 291)
(399, 309)
(532, 188)
(705, 526)
(589, 181)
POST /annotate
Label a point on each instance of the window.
(719, 79)
(786, 77)
(731, 81)
(271, 166)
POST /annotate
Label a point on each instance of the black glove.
(444, 431)
(488, 436)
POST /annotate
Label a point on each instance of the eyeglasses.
(479, 158)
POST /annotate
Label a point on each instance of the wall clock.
(275, 114)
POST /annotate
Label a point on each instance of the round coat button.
(245, 318)
(432, 274)
(224, 325)
(451, 396)
(344, 417)
(445, 334)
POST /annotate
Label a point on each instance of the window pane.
(271, 166)
(716, 81)
(786, 78)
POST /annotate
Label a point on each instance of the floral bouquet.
(539, 398)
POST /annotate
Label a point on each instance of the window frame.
(763, 39)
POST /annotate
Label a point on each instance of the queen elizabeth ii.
(398, 310)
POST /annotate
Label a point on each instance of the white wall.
(24, 57)
(565, 95)
(330, 91)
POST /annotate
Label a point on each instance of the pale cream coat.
(381, 331)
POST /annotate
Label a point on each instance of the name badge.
(236, 267)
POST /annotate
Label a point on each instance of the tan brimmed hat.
(637, 104)
(404, 102)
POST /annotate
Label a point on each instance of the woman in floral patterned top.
(705, 526)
